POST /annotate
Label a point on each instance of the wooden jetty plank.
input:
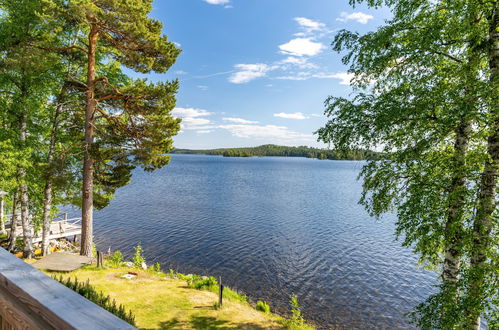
(58, 306)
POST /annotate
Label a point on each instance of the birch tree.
(421, 96)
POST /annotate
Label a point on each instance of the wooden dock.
(60, 228)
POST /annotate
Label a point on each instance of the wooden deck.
(30, 299)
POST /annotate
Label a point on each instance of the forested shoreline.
(270, 150)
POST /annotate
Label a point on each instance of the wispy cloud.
(359, 17)
(301, 47)
(344, 77)
(310, 24)
(301, 62)
(217, 2)
(203, 87)
(249, 72)
(279, 133)
(295, 115)
(239, 120)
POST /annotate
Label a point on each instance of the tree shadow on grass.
(172, 324)
(207, 323)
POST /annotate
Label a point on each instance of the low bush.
(116, 260)
(263, 307)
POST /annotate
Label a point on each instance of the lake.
(272, 227)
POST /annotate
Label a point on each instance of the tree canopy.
(74, 124)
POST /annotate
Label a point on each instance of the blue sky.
(254, 72)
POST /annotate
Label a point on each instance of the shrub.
(263, 307)
(157, 267)
(89, 292)
(138, 258)
(117, 259)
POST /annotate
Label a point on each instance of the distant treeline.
(283, 151)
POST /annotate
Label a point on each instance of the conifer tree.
(127, 123)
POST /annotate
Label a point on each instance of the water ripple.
(272, 227)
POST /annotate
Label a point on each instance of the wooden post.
(100, 260)
(220, 298)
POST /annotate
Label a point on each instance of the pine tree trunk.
(88, 175)
(454, 226)
(482, 226)
(47, 197)
(14, 222)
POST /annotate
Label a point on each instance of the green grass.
(171, 301)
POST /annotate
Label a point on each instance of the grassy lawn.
(161, 302)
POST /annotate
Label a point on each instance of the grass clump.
(262, 306)
(89, 292)
(203, 283)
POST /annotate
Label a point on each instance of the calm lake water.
(271, 227)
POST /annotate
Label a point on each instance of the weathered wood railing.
(30, 299)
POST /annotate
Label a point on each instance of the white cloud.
(280, 133)
(204, 131)
(193, 123)
(192, 118)
(239, 120)
(359, 17)
(190, 112)
(180, 72)
(296, 115)
(203, 87)
(217, 2)
(309, 24)
(248, 72)
(301, 47)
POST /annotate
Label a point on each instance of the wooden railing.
(30, 299)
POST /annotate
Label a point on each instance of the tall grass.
(89, 292)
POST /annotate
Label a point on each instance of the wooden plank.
(47, 299)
